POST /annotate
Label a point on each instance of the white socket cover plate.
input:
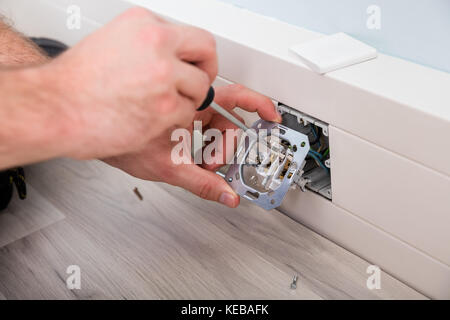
(333, 52)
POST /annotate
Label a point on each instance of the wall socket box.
(317, 170)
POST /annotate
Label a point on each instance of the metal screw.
(138, 194)
(294, 282)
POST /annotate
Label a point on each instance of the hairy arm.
(16, 50)
(31, 129)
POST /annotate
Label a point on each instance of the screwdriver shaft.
(229, 116)
(251, 133)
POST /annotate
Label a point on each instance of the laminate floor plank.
(22, 218)
(172, 245)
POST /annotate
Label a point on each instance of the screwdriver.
(209, 102)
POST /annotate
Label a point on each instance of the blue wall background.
(416, 30)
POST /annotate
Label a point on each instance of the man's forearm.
(32, 126)
(17, 50)
(34, 121)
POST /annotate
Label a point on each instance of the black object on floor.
(6, 189)
(8, 179)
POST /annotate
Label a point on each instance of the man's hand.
(118, 95)
(111, 94)
(154, 161)
(131, 81)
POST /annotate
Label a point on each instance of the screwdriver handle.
(209, 99)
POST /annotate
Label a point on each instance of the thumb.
(205, 184)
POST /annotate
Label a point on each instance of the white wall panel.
(395, 194)
(394, 256)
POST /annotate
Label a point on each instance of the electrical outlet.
(317, 169)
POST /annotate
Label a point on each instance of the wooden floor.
(171, 245)
(22, 218)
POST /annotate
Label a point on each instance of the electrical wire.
(316, 154)
(317, 160)
(320, 148)
(316, 135)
